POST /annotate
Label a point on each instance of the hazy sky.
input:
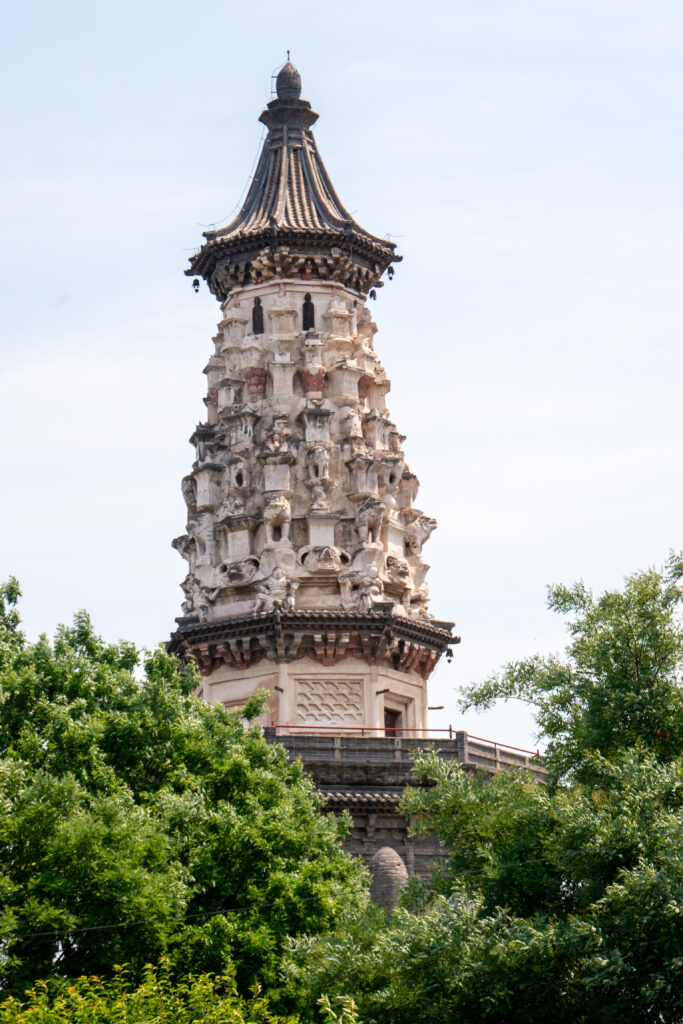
(527, 159)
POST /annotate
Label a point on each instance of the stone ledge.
(339, 756)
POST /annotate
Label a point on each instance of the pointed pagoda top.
(292, 214)
(288, 82)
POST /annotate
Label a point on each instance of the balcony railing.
(400, 731)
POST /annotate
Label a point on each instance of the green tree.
(561, 902)
(158, 997)
(620, 682)
(137, 821)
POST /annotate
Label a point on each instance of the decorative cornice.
(326, 635)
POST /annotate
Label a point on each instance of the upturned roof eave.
(250, 243)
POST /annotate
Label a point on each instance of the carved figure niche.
(308, 313)
(257, 317)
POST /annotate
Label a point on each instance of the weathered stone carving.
(323, 559)
(239, 573)
(276, 518)
(314, 454)
(369, 589)
(200, 528)
(186, 546)
(353, 423)
(419, 603)
(319, 502)
(369, 517)
(313, 381)
(418, 532)
(398, 570)
(278, 441)
(191, 589)
(239, 475)
(316, 423)
(240, 426)
(317, 463)
(313, 372)
(189, 487)
(255, 376)
(364, 384)
(360, 588)
(276, 592)
(197, 597)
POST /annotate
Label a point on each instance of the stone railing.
(365, 747)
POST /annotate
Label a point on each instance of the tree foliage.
(621, 680)
(136, 821)
(561, 902)
(158, 998)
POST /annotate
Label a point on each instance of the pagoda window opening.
(308, 313)
(392, 722)
(257, 317)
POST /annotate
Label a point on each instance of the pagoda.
(303, 541)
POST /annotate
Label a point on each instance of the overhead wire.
(469, 872)
(227, 216)
(250, 178)
(182, 917)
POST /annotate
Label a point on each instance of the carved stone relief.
(369, 517)
(329, 701)
(276, 592)
(323, 559)
(306, 468)
(418, 532)
(189, 486)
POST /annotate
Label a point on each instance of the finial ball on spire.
(288, 83)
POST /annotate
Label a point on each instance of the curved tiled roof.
(291, 189)
(362, 799)
(291, 198)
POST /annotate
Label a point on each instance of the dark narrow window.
(257, 317)
(392, 722)
(309, 313)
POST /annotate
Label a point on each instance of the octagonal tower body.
(304, 544)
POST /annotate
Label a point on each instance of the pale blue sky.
(526, 157)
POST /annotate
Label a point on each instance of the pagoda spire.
(303, 541)
(292, 214)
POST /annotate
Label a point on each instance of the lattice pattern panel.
(329, 701)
